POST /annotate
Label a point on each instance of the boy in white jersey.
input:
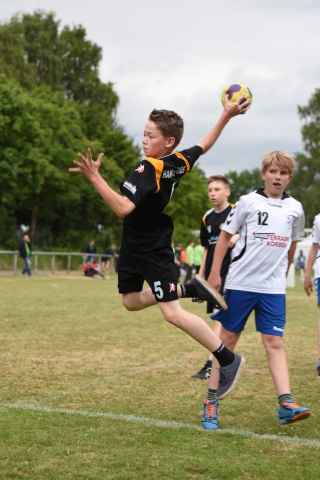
(314, 259)
(269, 222)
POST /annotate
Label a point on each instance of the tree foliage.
(62, 108)
(306, 180)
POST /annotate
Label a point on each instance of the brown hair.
(169, 123)
(219, 178)
(280, 159)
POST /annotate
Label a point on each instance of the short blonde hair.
(280, 159)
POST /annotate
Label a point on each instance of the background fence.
(69, 255)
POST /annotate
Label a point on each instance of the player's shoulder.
(209, 212)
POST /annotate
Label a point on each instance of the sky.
(181, 54)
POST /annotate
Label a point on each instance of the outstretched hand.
(87, 167)
(234, 108)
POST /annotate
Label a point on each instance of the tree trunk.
(34, 218)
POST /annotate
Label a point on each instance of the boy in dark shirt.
(146, 252)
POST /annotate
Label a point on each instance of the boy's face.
(218, 193)
(154, 144)
(275, 180)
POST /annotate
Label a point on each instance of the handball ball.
(234, 91)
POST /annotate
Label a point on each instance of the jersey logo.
(140, 169)
(230, 216)
(130, 187)
(172, 287)
(290, 220)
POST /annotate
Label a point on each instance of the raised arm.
(89, 168)
(230, 110)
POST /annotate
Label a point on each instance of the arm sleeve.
(192, 154)
(298, 225)
(140, 182)
(236, 217)
(316, 230)
(204, 236)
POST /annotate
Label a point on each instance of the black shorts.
(156, 267)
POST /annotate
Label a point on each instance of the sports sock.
(212, 394)
(284, 398)
(188, 290)
(208, 363)
(224, 356)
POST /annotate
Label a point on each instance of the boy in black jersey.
(211, 224)
(146, 252)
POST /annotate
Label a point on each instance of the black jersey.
(211, 225)
(150, 187)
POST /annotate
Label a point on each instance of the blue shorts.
(317, 282)
(270, 311)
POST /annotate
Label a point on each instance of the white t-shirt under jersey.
(316, 239)
(267, 227)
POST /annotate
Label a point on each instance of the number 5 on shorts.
(158, 290)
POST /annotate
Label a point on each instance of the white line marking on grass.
(161, 423)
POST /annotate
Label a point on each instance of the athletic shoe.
(289, 412)
(318, 370)
(229, 376)
(209, 418)
(203, 373)
(206, 292)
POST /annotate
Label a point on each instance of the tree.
(243, 183)
(305, 185)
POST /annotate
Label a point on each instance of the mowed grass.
(67, 343)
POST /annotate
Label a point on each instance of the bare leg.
(136, 301)
(277, 361)
(193, 325)
(230, 340)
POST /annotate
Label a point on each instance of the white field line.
(160, 423)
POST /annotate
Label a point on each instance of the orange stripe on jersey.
(184, 159)
(158, 167)
(204, 220)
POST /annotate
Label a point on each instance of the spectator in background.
(107, 259)
(198, 253)
(91, 250)
(24, 249)
(301, 261)
(92, 269)
(189, 261)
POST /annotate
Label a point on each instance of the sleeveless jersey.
(267, 226)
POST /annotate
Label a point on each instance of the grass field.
(90, 391)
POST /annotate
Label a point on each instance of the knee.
(129, 304)
(172, 318)
(273, 342)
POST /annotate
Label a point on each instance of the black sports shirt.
(150, 187)
(211, 225)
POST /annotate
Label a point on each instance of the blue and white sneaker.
(289, 412)
(209, 418)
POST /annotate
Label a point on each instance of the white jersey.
(267, 226)
(316, 239)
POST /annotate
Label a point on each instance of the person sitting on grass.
(270, 223)
(146, 253)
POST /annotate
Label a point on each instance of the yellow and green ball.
(234, 91)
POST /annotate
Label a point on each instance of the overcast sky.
(180, 54)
